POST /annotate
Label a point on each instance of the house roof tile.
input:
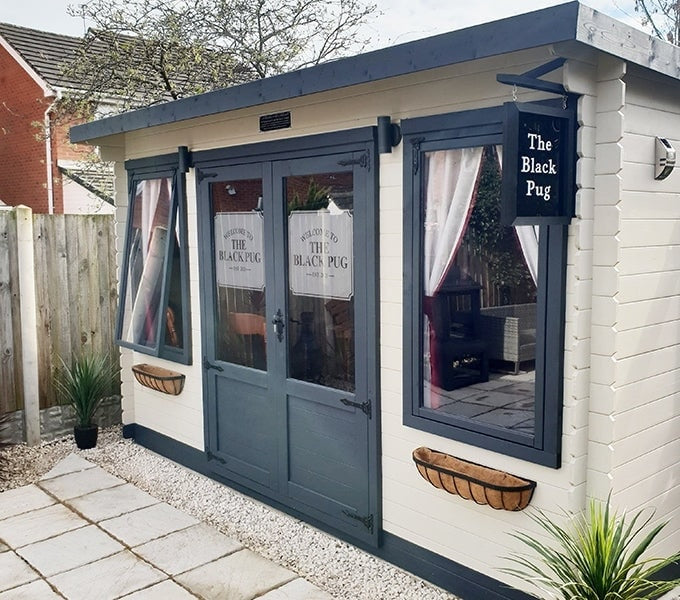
(46, 53)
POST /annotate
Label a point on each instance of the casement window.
(484, 303)
(153, 315)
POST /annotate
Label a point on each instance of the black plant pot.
(86, 437)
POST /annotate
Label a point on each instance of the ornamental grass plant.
(598, 556)
(85, 383)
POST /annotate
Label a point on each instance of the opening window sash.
(153, 315)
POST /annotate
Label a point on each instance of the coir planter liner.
(471, 481)
(159, 379)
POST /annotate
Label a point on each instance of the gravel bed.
(335, 566)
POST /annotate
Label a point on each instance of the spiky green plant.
(596, 557)
(84, 383)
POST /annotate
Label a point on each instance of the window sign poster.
(239, 250)
(539, 166)
(320, 254)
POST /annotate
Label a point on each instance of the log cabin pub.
(405, 294)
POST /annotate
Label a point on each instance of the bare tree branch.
(663, 16)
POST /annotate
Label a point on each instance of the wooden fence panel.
(11, 382)
(76, 291)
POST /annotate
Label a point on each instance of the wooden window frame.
(457, 130)
(158, 167)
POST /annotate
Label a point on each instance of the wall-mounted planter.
(159, 379)
(471, 481)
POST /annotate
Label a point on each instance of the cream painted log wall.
(604, 240)
(472, 535)
(645, 465)
(609, 107)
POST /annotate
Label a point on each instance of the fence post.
(29, 333)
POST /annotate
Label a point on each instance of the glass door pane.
(238, 232)
(321, 279)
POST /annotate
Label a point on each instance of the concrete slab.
(111, 577)
(187, 549)
(503, 417)
(70, 550)
(37, 590)
(166, 590)
(71, 464)
(38, 525)
(298, 589)
(77, 484)
(240, 576)
(464, 409)
(111, 502)
(21, 500)
(146, 524)
(15, 572)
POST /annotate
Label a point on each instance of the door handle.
(278, 324)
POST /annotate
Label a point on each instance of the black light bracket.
(389, 135)
(185, 160)
(530, 79)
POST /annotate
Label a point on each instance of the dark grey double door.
(289, 332)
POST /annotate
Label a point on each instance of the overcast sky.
(400, 21)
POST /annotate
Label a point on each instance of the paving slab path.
(81, 533)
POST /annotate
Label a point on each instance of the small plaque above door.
(275, 121)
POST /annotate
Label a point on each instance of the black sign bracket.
(530, 79)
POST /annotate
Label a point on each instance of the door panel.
(244, 424)
(241, 412)
(327, 454)
(288, 411)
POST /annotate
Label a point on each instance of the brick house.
(39, 167)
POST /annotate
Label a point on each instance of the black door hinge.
(201, 175)
(415, 149)
(363, 161)
(366, 521)
(212, 456)
(208, 365)
(363, 406)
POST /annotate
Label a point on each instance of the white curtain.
(527, 236)
(148, 193)
(451, 179)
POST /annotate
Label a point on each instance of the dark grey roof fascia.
(569, 22)
(530, 30)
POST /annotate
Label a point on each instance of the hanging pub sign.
(320, 254)
(239, 256)
(538, 165)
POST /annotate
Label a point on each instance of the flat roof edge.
(546, 26)
(609, 35)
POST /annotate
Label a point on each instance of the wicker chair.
(510, 332)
